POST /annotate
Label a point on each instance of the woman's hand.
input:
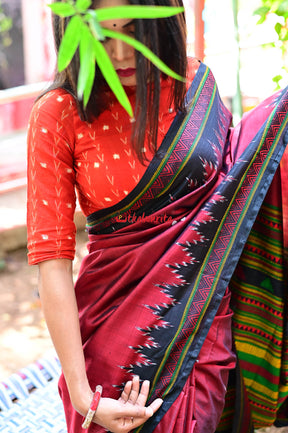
(129, 412)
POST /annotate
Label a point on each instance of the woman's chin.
(128, 81)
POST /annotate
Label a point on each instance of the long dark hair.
(167, 39)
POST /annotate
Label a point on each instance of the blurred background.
(247, 60)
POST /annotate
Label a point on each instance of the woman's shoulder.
(56, 108)
(55, 101)
(53, 115)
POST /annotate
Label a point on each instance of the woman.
(170, 200)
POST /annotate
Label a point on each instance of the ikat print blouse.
(67, 156)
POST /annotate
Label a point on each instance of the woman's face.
(121, 55)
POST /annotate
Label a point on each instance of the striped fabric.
(259, 292)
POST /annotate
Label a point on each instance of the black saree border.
(160, 159)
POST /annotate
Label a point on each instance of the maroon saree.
(160, 260)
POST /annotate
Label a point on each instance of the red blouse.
(66, 154)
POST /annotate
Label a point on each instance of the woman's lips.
(128, 72)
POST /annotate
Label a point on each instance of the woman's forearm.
(61, 314)
(60, 310)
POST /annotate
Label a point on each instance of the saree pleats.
(160, 261)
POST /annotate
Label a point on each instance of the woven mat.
(30, 402)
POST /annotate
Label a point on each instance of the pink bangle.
(93, 407)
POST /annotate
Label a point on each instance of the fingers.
(144, 392)
(126, 392)
(142, 399)
(138, 409)
(133, 398)
(131, 390)
(134, 393)
(132, 416)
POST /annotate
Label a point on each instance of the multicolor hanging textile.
(259, 301)
(160, 260)
(258, 391)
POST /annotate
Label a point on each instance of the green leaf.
(278, 28)
(5, 24)
(145, 51)
(111, 76)
(87, 66)
(83, 5)
(95, 27)
(62, 9)
(89, 84)
(134, 12)
(261, 21)
(282, 9)
(277, 78)
(262, 11)
(70, 42)
(274, 6)
(86, 54)
(285, 35)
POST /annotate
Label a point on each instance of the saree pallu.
(160, 260)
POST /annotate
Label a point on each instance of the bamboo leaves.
(63, 9)
(111, 77)
(70, 42)
(134, 12)
(144, 50)
(278, 8)
(83, 5)
(87, 66)
(84, 32)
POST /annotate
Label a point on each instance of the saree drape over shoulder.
(207, 214)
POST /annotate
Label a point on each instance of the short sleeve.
(51, 179)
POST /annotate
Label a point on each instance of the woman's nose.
(121, 50)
